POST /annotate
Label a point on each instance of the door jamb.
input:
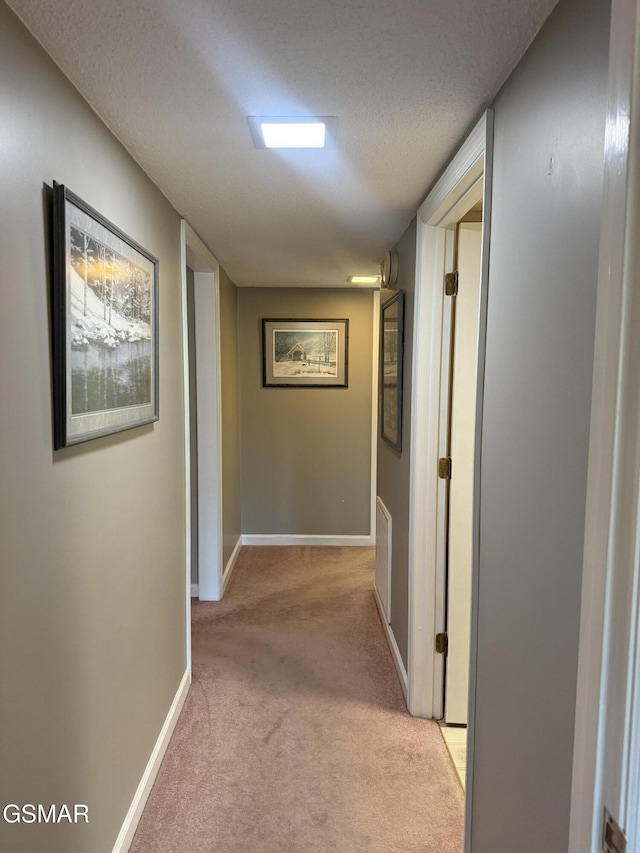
(208, 382)
(443, 206)
(374, 416)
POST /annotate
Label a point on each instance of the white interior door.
(463, 412)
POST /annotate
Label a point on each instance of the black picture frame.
(391, 359)
(305, 353)
(104, 325)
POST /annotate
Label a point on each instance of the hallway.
(295, 736)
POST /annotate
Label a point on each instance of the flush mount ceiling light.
(364, 279)
(292, 131)
(292, 135)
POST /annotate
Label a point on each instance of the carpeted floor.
(295, 737)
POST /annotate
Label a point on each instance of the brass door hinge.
(444, 468)
(613, 838)
(451, 283)
(442, 644)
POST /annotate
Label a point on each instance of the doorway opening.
(459, 406)
(202, 406)
(464, 187)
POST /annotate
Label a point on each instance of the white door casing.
(209, 412)
(465, 181)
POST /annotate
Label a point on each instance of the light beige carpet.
(295, 737)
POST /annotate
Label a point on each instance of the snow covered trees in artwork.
(315, 347)
(110, 304)
(136, 298)
(83, 258)
(105, 325)
(329, 346)
(297, 352)
(114, 291)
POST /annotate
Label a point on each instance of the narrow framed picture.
(391, 349)
(305, 353)
(105, 325)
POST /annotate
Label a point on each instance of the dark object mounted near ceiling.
(389, 269)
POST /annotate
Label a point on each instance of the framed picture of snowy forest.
(307, 353)
(105, 325)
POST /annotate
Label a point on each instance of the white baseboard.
(395, 651)
(228, 569)
(194, 590)
(128, 830)
(280, 539)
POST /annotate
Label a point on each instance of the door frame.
(607, 739)
(445, 204)
(209, 417)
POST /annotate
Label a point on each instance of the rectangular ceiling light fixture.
(293, 135)
(291, 131)
(364, 279)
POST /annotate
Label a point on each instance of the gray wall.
(549, 132)
(306, 452)
(92, 539)
(393, 467)
(231, 526)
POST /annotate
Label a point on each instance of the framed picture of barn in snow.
(307, 353)
(105, 325)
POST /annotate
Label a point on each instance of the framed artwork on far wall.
(391, 347)
(105, 325)
(305, 353)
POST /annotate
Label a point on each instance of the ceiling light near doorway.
(291, 131)
(364, 279)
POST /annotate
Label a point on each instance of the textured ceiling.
(176, 79)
